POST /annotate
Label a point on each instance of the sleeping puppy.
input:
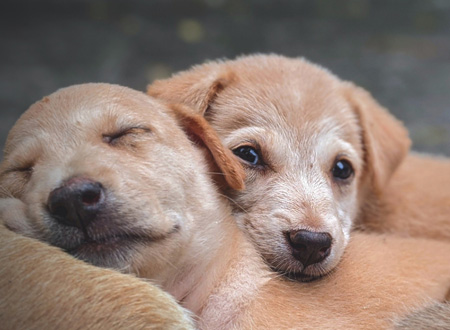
(111, 176)
(65, 159)
(104, 173)
(315, 150)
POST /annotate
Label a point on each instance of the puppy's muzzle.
(76, 202)
(309, 247)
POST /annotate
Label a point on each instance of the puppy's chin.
(117, 254)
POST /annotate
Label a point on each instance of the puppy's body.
(208, 263)
(437, 315)
(416, 201)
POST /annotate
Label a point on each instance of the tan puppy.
(177, 230)
(315, 149)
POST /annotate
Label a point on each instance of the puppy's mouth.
(106, 243)
(109, 243)
(300, 277)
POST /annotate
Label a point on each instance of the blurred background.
(397, 49)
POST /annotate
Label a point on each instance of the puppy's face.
(106, 175)
(299, 142)
(303, 142)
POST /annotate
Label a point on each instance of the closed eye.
(25, 169)
(14, 179)
(129, 132)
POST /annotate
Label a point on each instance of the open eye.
(249, 154)
(342, 169)
(117, 137)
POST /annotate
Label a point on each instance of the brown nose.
(309, 247)
(76, 202)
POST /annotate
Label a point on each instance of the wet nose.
(76, 202)
(309, 247)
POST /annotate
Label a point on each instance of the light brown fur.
(416, 202)
(216, 273)
(433, 317)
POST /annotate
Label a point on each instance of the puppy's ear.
(385, 139)
(196, 88)
(222, 159)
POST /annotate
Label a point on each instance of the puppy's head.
(108, 175)
(314, 149)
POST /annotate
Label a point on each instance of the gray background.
(399, 50)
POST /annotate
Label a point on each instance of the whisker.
(234, 202)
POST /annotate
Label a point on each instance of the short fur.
(416, 201)
(208, 264)
(433, 317)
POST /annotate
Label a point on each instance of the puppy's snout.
(309, 247)
(77, 202)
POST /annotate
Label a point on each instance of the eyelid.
(22, 168)
(248, 143)
(342, 156)
(108, 138)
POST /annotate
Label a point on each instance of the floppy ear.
(196, 88)
(385, 139)
(222, 159)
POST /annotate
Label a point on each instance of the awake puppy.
(315, 150)
(110, 176)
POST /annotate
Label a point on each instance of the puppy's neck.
(221, 273)
(225, 276)
(238, 280)
(208, 256)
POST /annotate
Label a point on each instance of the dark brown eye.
(119, 136)
(342, 169)
(249, 154)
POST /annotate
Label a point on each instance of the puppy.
(315, 150)
(110, 176)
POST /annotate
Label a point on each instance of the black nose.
(76, 202)
(309, 247)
